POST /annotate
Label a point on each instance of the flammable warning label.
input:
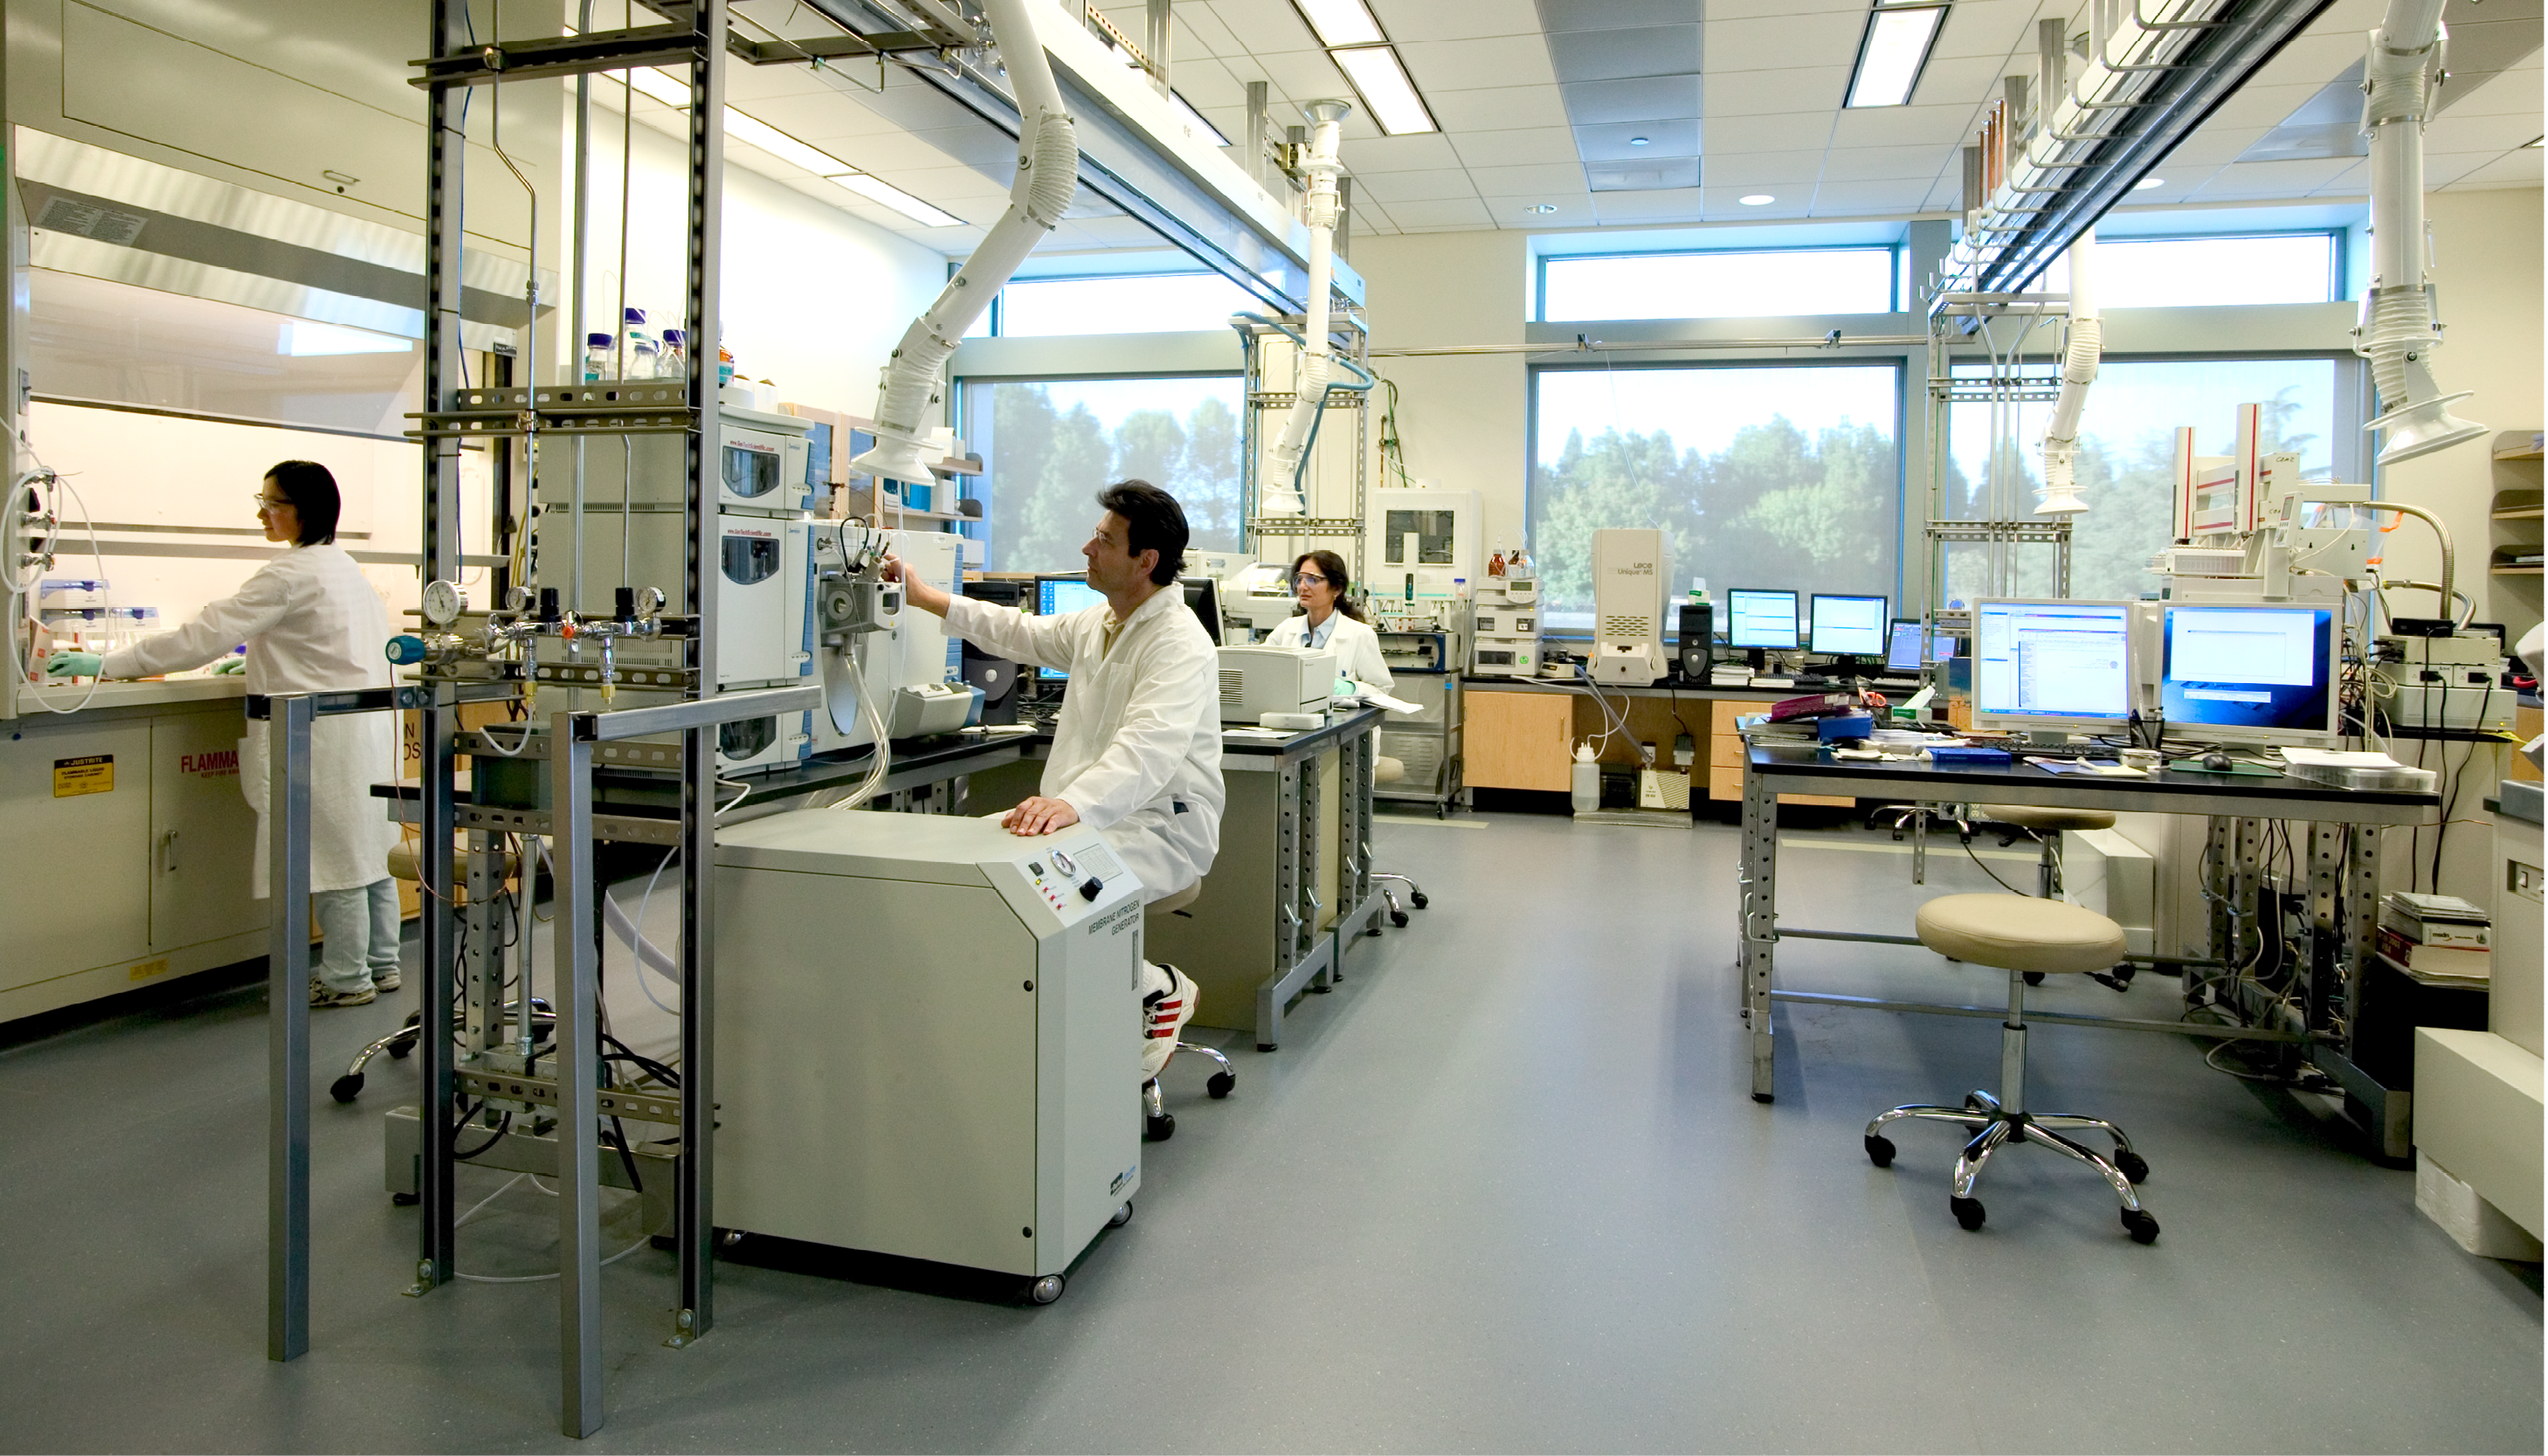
(92, 774)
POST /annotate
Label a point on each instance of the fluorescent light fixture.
(2146, 183)
(1893, 51)
(1386, 90)
(754, 132)
(1342, 22)
(878, 190)
(303, 339)
(1756, 199)
(1187, 109)
(673, 91)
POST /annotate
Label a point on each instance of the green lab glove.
(231, 666)
(62, 664)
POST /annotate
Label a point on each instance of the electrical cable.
(1986, 869)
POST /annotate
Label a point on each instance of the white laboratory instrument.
(1256, 681)
(1628, 607)
(929, 1037)
(1258, 597)
(1429, 538)
(910, 650)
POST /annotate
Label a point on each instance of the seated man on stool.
(1136, 751)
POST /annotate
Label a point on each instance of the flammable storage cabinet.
(929, 1037)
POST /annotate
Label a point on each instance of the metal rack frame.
(2008, 385)
(1259, 402)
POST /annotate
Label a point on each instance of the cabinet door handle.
(168, 852)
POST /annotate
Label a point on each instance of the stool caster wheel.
(405, 1199)
(1221, 1084)
(348, 1087)
(1123, 1216)
(1267, 1045)
(1045, 1290)
(1419, 898)
(2141, 1225)
(2132, 1166)
(1973, 1103)
(1398, 918)
(1969, 1212)
(1159, 1128)
(2032, 977)
(1879, 1151)
(399, 1049)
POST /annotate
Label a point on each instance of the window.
(2200, 272)
(2127, 443)
(1048, 446)
(1726, 284)
(1776, 475)
(1149, 302)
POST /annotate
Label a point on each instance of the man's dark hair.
(1153, 521)
(313, 493)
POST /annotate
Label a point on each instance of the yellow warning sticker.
(148, 969)
(92, 774)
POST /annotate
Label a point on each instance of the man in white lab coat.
(1136, 751)
(311, 623)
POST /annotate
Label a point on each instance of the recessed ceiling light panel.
(752, 132)
(1756, 199)
(1342, 22)
(2146, 183)
(1894, 48)
(1386, 90)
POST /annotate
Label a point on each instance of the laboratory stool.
(2020, 934)
(1386, 770)
(1158, 1124)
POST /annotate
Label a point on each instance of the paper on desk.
(1365, 693)
(2338, 758)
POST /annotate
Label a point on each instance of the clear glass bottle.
(597, 357)
(638, 342)
(674, 362)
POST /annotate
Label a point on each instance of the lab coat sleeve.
(258, 609)
(1044, 642)
(1367, 666)
(1174, 690)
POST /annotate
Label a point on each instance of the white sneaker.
(1164, 1013)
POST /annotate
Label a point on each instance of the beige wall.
(1464, 421)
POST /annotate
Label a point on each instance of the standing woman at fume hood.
(311, 624)
(1319, 584)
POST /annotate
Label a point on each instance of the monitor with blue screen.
(1760, 619)
(2253, 672)
(1902, 653)
(2050, 666)
(1848, 627)
(1060, 596)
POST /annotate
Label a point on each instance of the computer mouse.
(2217, 761)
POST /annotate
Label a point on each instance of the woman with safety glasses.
(1319, 584)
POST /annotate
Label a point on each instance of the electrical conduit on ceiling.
(1047, 181)
(1285, 494)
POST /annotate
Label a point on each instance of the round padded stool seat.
(1386, 770)
(2048, 821)
(1178, 901)
(2020, 933)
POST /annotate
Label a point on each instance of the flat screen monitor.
(2263, 673)
(1848, 626)
(1060, 596)
(2051, 664)
(1902, 652)
(1203, 594)
(1760, 619)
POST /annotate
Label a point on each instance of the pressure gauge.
(443, 603)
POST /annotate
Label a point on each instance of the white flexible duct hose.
(1047, 179)
(2060, 495)
(2398, 327)
(1284, 495)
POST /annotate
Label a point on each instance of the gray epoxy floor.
(1503, 1191)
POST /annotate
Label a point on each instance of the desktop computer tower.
(1694, 623)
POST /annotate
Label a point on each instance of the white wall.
(1464, 421)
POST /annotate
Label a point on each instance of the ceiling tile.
(1205, 82)
(1888, 163)
(1469, 66)
(1725, 10)
(2212, 147)
(942, 185)
(1616, 141)
(2514, 91)
(1987, 28)
(1612, 15)
(1671, 204)
(1514, 148)
(2453, 131)
(1611, 56)
(2353, 181)
(1967, 80)
(1200, 32)
(1590, 103)
(1759, 169)
(1455, 20)
(977, 147)
(1900, 126)
(1573, 209)
(1783, 42)
(1503, 181)
(2520, 169)
(892, 150)
(1870, 198)
(1802, 88)
(1260, 27)
(2449, 168)
(1725, 204)
(1659, 174)
(1787, 131)
(1499, 107)
(1467, 211)
(1305, 75)
(1394, 189)
(816, 118)
(1431, 151)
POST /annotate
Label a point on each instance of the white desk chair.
(1157, 1124)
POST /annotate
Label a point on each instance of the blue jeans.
(361, 925)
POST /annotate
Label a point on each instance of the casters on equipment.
(1045, 1290)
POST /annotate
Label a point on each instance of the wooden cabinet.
(1725, 756)
(1518, 740)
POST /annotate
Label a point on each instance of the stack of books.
(2437, 939)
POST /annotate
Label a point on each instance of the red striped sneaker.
(1164, 1013)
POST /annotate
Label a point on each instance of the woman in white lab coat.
(311, 623)
(1320, 582)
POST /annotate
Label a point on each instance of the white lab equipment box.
(1256, 681)
(1628, 607)
(913, 651)
(929, 1037)
(2104, 871)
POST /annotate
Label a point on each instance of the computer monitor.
(1757, 620)
(1848, 627)
(2264, 672)
(1060, 596)
(2050, 666)
(1203, 594)
(1902, 649)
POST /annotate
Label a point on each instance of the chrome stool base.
(1158, 1124)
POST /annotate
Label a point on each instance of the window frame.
(1894, 252)
(997, 314)
(1902, 366)
(2337, 267)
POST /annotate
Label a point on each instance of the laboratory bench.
(1521, 732)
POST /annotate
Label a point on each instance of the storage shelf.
(2530, 515)
(2514, 571)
